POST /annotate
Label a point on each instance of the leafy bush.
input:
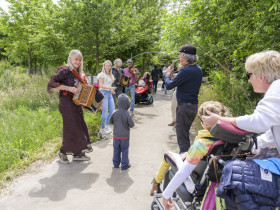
(237, 94)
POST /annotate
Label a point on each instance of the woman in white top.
(106, 79)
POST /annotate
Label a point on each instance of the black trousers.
(185, 115)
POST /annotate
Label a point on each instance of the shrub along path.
(96, 184)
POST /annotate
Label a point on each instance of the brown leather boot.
(172, 123)
(155, 187)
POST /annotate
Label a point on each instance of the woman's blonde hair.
(215, 107)
(110, 72)
(72, 54)
(266, 63)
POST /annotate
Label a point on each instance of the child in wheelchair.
(198, 168)
(203, 142)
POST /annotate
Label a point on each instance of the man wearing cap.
(188, 82)
(131, 72)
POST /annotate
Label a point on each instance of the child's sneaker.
(82, 157)
(62, 158)
(104, 131)
(126, 167)
(108, 129)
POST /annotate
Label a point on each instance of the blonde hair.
(215, 107)
(72, 54)
(266, 63)
(110, 72)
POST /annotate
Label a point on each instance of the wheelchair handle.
(222, 162)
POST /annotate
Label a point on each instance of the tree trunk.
(143, 66)
(29, 62)
(97, 52)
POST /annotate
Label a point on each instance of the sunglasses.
(248, 75)
(200, 119)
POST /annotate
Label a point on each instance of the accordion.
(86, 95)
(122, 80)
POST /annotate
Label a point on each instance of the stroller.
(142, 92)
(232, 142)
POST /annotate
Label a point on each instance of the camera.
(174, 66)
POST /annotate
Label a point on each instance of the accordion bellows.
(122, 80)
(88, 96)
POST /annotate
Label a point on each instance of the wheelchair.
(231, 142)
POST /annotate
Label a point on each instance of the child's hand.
(167, 204)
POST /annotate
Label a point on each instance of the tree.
(226, 33)
(30, 33)
(110, 29)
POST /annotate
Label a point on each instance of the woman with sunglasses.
(263, 72)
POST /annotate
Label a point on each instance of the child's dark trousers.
(121, 153)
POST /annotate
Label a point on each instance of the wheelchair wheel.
(154, 206)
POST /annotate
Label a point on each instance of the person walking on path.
(106, 79)
(116, 71)
(122, 122)
(75, 138)
(188, 82)
(131, 72)
(155, 75)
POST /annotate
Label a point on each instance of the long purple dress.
(75, 136)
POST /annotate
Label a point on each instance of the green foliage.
(225, 33)
(40, 33)
(235, 94)
(24, 131)
(30, 36)
(93, 122)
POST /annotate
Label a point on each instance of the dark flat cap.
(188, 49)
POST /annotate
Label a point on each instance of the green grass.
(30, 123)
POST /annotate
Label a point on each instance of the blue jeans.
(121, 153)
(108, 105)
(131, 90)
(155, 86)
